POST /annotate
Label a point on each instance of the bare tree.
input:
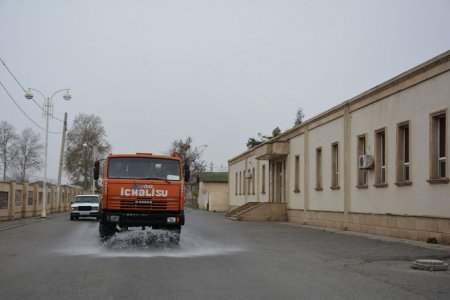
(29, 153)
(8, 150)
(191, 155)
(78, 159)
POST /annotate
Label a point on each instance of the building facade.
(377, 163)
(213, 191)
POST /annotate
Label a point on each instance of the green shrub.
(432, 240)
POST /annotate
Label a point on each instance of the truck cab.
(142, 190)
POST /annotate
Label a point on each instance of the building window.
(319, 169)
(253, 181)
(361, 150)
(236, 184)
(403, 154)
(335, 166)
(263, 180)
(249, 182)
(244, 187)
(297, 174)
(240, 183)
(380, 158)
(438, 148)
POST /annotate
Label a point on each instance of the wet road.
(217, 259)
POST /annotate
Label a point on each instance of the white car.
(84, 206)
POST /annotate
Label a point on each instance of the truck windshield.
(143, 168)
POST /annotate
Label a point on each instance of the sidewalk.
(374, 237)
(5, 225)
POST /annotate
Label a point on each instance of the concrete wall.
(415, 105)
(296, 198)
(323, 137)
(25, 200)
(213, 196)
(249, 189)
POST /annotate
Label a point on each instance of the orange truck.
(141, 190)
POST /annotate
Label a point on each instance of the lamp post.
(93, 162)
(47, 112)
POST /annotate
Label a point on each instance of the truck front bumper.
(136, 219)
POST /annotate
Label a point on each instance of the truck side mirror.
(96, 169)
(187, 173)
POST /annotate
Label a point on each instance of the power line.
(11, 73)
(26, 115)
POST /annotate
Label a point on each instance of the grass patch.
(191, 205)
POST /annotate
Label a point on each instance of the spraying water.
(84, 240)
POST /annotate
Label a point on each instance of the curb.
(374, 237)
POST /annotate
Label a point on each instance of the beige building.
(213, 191)
(377, 163)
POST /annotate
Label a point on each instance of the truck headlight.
(74, 208)
(171, 220)
(115, 218)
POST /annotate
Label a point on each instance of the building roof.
(213, 177)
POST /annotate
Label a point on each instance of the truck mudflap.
(135, 219)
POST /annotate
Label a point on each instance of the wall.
(296, 198)
(414, 104)
(25, 200)
(324, 136)
(213, 196)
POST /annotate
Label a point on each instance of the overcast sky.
(218, 71)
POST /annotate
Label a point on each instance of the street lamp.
(93, 158)
(47, 112)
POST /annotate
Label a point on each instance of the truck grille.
(133, 205)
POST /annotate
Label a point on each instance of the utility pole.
(61, 159)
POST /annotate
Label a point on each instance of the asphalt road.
(217, 259)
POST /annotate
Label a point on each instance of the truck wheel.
(71, 218)
(106, 229)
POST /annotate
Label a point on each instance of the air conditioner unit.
(365, 162)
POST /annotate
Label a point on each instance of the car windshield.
(144, 168)
(86, 199)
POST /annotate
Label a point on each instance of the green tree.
(253, 142)
(299, 117)
(276, 131)
(87, 129)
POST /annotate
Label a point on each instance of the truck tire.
(174, 236)
(106, 229)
